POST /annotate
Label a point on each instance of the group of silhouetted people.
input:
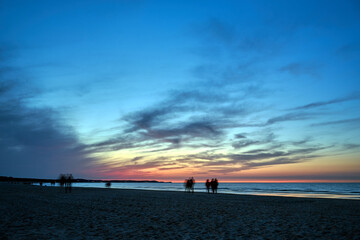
(66, 180)
(189, 184)
(213, 184)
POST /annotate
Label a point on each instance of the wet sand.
(34, 212)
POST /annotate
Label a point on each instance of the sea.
(309, 190)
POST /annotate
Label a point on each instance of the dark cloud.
(259, 164)
(244, 143)
(251, 159)
(265, 139)
(160, 149)
(135, 159)
(349, 49)
(296, 116)
(239, 135)
(178, 120)
(301, 142)
(259, 156)
(35, 142)
(273, 162)
(353, 96)
(183, 119)
(351, 146)
(170, 168)
(300, 69)
(277, 161)
(147, 118)
(344, 121)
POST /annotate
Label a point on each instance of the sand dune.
(33, 212)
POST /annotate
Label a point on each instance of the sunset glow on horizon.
(244, 91)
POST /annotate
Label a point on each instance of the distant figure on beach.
(62, 180)
(189, 185)
(192, 184)
(69, 180)
(66, 180)
(214, 185)
(108, 184)
(207, 184)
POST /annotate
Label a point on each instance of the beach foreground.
(34, 212)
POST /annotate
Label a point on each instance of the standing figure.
(192, 184)
(62, 181)
(212, 185)
(70, 179)
(186, 185)
(189, 184)
(207, 184)
(216, 184)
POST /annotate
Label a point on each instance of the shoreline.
(48, 213)
(205, 193)
(286, 193)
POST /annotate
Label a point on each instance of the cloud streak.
(298, 68)
(351, 97)
(343, 121)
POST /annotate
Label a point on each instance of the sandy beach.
(34, 212)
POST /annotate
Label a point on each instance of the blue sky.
(244, 90)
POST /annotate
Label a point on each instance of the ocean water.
(312, 190)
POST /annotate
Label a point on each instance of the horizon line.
(204, 179)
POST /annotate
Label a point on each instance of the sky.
(164, 90)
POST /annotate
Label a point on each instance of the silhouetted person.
(214, 185)
(186, 184)
(62, 181)
(108, 184)
(69, 180)
(207, 184)
(189, 184)
(192, 184)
